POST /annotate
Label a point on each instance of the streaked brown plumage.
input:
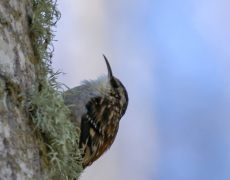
(97, 107)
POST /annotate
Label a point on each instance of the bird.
(96, 109)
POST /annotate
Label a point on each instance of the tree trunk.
(20, 147)
(19, 155)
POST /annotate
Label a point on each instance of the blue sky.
(173, 58)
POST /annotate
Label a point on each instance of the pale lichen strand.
(47, 109)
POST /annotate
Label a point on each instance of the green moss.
(45, 17)
(58, 135)
(51, 117)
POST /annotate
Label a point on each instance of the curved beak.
(110, 73)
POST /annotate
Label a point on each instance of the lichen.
(51, 117)
(58, 135)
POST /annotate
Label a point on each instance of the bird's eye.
(114, 83)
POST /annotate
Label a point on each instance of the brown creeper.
(97, 107)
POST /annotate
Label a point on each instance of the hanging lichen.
(59, 136)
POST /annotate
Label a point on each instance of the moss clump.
(45, 17)
(47, 109)
(51, 117)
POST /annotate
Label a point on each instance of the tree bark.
(19, 152)
(37, 138)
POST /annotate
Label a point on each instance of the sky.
(174, 59)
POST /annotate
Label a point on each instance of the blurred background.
(174, 59)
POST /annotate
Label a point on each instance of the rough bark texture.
(19, 154)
